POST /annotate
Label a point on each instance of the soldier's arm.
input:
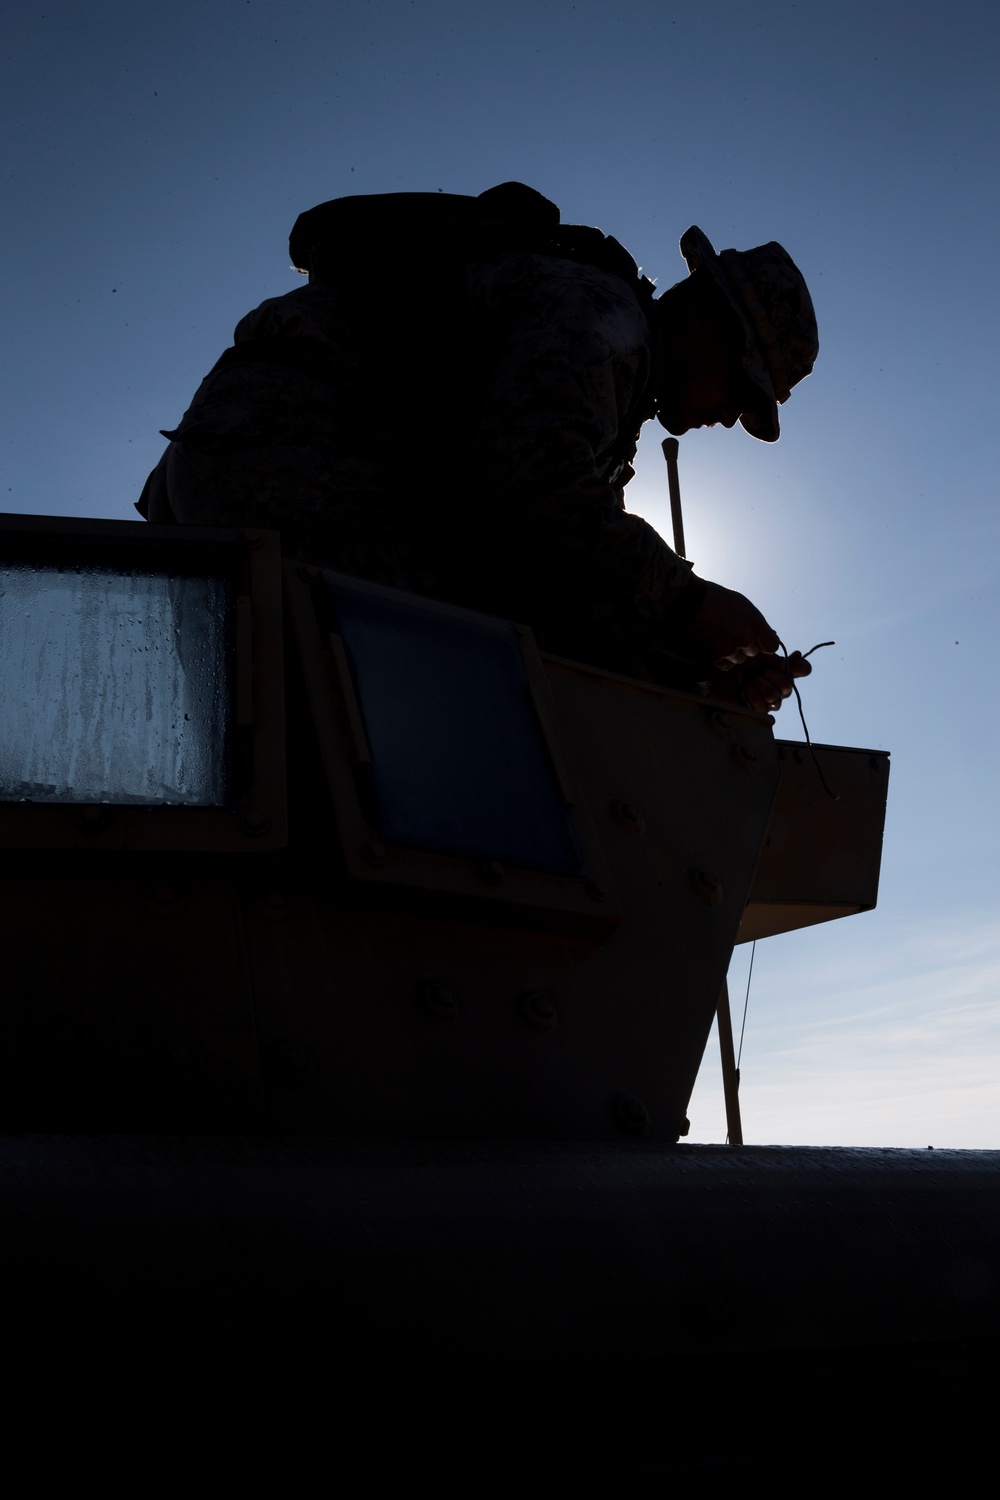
(569, 352)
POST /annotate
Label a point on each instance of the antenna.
(670, 448)
(730, 1076)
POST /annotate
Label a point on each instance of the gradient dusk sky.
(157, 156)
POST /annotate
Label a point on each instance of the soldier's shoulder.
(558, 300)
(525, 276)
(302, 312)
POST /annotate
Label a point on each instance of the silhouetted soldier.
(452, 405)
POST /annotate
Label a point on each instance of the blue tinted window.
(458, 761)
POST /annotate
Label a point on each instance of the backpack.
(452, 226)
(378, 240)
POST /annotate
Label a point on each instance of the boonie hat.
(768, 293)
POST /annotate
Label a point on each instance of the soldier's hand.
(729, 630)
(767, 680)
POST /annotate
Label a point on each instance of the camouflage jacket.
(480, 455)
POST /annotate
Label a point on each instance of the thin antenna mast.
(670, 449)
(730, 1077)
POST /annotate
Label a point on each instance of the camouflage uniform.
(484, 463)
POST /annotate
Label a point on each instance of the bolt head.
(491, 871)
(714, 1312)
(440, 1001)
(181, 1060)
(538, 1010)
(375, 852)
(254, 823)
(747, 757)
(93, 819)
(628, 816)
(631, 1114)
(292, 1061)
(163, 900)
(707, 886)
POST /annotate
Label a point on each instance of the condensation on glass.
(114, 686)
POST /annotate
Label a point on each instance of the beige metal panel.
(377, 1016)
(822, 854)
(125, 1001)
(770, 918)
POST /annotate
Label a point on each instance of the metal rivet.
(93, 819)
(292, 1060)
(628, 816)
(375, 853)
(492, 871)
(631, 1114)
(596, 890)
(254, 823)
(163, 895)
(439, 1000)
(538, 1010)
(308, 574)
(163, 900)
(747, 757)
(181, 1060)
(711, 1312)
(707, 886)
(721, 723)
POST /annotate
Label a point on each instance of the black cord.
(805, 727)
(812, 648)
(812, 752)
(746, 1002)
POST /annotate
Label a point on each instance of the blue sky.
(156, 157)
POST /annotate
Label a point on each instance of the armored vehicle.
(360, 962)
